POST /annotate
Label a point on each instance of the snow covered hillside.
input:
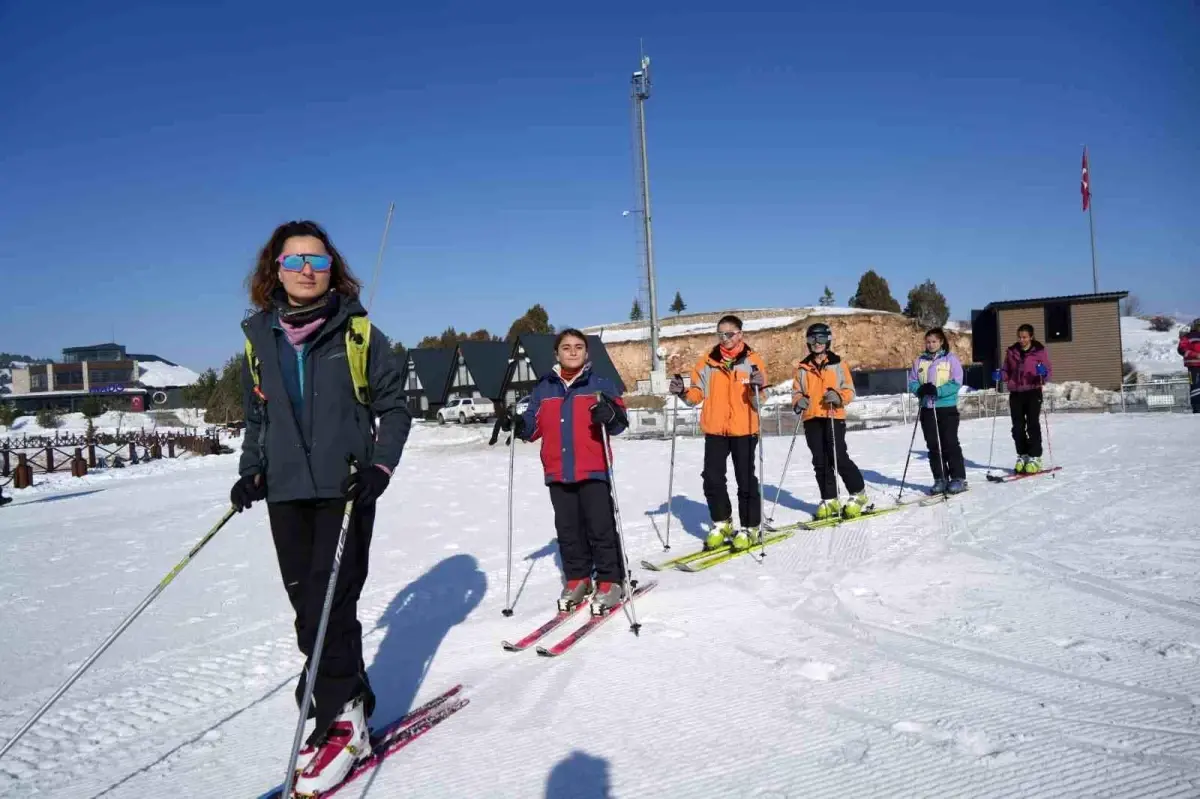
(1150, 352)
(1038, 638)
(782, 317)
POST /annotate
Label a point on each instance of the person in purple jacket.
(936, 377)
(1026, 369)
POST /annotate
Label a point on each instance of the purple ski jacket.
(1020, 367)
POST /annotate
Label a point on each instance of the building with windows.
(479, 369)
(425, 376)
(123, 380)
(1082, 333)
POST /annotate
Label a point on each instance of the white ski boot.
(574, 594)
(607, 596)
(346, 743)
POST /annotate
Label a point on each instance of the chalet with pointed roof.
(425, 376)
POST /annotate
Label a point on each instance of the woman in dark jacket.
(306, 424)
(1026, 369)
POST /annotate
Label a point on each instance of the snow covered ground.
(1039, 638)
(108, 422)
(1151, 352)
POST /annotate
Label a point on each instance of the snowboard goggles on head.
(295, 263)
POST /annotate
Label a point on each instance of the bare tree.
(1132, 306)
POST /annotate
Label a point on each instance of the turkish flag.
(1085, 182)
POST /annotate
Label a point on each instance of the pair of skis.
(1012, 476)
(579, 633)
(393, 737)
(707, 558)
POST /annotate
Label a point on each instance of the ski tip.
(544, 652)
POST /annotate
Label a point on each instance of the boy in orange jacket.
(822, 389)
(725, 380)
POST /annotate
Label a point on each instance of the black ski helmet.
(818, 333)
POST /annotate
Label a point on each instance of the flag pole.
(1091, 223)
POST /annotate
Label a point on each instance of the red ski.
(1008, 478)
(393, 737)
(541, 632)
(591, 624)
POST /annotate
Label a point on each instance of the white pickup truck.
(469, 409)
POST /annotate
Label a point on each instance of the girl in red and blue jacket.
(566, 409)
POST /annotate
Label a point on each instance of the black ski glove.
(927, 390)
(514, 424)
(605, 411)
(247, 490)
(366, 486)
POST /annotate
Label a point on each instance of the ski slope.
(1038, 638)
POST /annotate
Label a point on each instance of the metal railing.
(883, 411)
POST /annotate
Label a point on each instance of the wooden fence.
(24, 457)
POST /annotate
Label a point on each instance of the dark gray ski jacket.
(304, 452)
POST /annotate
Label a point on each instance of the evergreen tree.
(224, 404)
(535, 320)
(91, 408)
(873, 294)
(927, 305)
(196, 395)
(826, 298)
(635, 313)
(678, 306)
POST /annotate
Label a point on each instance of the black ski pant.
(1026, 410)
(945, 457)
(820, 436)
(1195, 388)
(306, 536)
(718, 449)
(587, 531)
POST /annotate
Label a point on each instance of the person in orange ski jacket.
(821, 390)
(725, 380)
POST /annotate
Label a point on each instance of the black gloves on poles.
(514, 423)
(366, 486)
(248, 490)
(605, 411)
(927, 390)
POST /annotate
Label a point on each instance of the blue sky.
(147, 151)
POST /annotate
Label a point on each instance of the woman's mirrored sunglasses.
(295, 263)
